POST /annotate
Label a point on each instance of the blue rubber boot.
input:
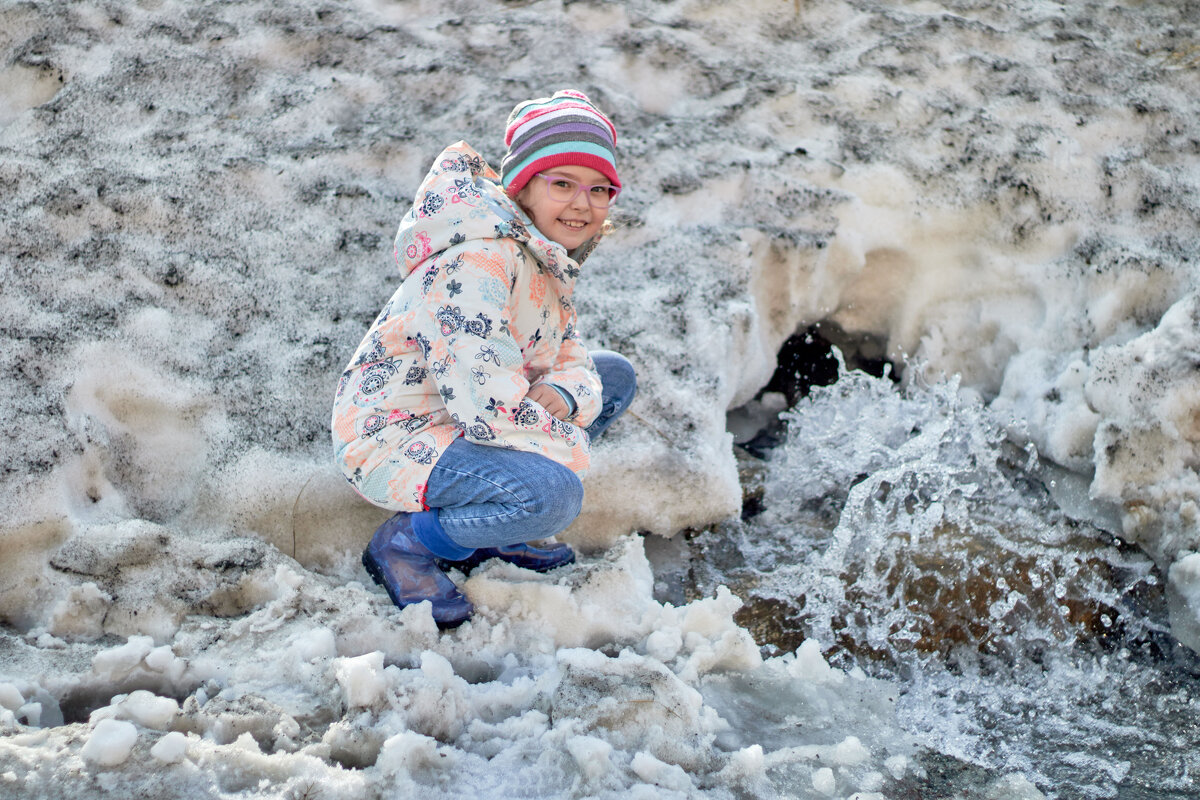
(538, 559)
(398, 561)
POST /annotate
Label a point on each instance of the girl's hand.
(549, 399)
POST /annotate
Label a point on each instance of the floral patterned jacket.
(484, 312)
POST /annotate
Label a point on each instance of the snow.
(199, 204)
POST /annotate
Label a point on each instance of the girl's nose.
(580, 201)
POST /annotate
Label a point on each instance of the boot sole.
(466, 566)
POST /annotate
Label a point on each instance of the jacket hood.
(461, 200)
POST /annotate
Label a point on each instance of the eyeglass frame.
(612, 197)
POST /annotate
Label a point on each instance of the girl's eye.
(600, 191)
(562, 184)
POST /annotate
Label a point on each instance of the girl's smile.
(567, 222)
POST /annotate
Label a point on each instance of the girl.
(469, 406)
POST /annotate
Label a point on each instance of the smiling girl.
(469, 406)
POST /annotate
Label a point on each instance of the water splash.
(905, 533)
(943, 534)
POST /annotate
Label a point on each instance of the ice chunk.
(668, 776)
(438, 668)
(10, 697)
(149, 710)
(117, 662)
(160, 659)
(409, 752)
(850, 751)
(313, 644)
(747, 768)
(110, 743)
(1013, 787)
(163, 660)
(823, 781)
(170, 749)
(361, 679)
(810, 665)
(714, 639)
(247, 742)
(1183, 598)
(897, 765)
(591, 754)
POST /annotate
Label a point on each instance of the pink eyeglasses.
(561, 189)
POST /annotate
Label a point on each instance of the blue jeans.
(491, 497)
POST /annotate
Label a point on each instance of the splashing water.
(907, 535)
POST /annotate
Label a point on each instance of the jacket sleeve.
(475, 361)
(574, 372)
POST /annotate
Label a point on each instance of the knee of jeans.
(621, 367)
(630, 381)
(559, 499)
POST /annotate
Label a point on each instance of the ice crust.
(199, 206)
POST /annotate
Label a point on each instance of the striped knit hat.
(559, 131)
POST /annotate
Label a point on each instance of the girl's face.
(571, 222)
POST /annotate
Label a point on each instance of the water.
(913, 540)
